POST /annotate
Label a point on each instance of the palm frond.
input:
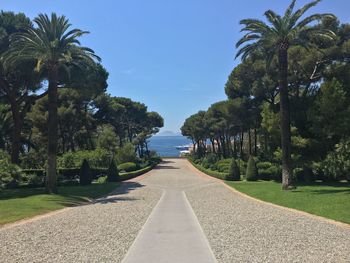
(299, 13)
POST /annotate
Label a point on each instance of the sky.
(174, 56)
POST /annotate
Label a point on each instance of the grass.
(16, 204)
(327, 200)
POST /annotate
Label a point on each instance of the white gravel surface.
(100, 232)
(243, 230)
(238, 229)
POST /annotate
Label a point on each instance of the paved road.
(174, 215)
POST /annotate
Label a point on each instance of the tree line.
(54, 100)
(288, 98)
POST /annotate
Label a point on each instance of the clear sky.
(174, 56)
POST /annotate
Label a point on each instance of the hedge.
(212, 173)
(70, 174)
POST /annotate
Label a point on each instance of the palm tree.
(54, 48)
(275, 38)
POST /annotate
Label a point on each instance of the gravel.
(238, 229)
(99, 232)
(243, 230)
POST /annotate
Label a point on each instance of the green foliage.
(107, 138)
(209, 160)
(112, 172)
(10, 174)
(330, 114)
(126, 154)
(336, 166)
(252, 171)
(269, 171)
(96, 158)
(85, 173)
(223, 165)
(234, 173)
(101, 180)
(127, 167)
(34, 180)
(212, 173)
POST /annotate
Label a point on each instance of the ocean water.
(165, 145)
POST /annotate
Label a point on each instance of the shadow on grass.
(330, 191)
(20, 193)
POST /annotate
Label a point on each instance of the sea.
(165, 146)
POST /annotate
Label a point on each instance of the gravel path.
(100, 232)
(238, 229)
(243, 230)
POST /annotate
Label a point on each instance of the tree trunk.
(51, 177)
(241, 145)
(16, 134)
(287, 177)
(255, 142)
(249, 142)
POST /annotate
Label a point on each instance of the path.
(168, 216)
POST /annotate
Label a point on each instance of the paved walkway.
(174, 215)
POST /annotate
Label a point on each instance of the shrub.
(126, 154)
(34, 180)
(264, 170)
(85, 177)
(242, 165)
(336, 166)
(102, 180)
(96, 158)
(33, 159)
(112, 172)
(10, 174)
(127, 167)
(252, 171)
(234, 173)
(209, 160)
(224, 165)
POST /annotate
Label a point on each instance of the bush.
(95, 158)
(10, 174)
(336, 166)
(112, 172)
(209, 160)
(33, 159)
(127, 167)
(102, 180)
(85, 177)
(223, 165)
(252, 171)
(242, 165)
(34, 180)
(126, 154)
(264, 170)
(234, 173)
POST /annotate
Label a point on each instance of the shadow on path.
(115, 196)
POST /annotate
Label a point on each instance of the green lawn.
(16, 204)
(331, 200)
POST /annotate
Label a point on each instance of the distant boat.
(182, 147)
(184, 153)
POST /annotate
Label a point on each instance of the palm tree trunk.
(287, 178)
(51, 180)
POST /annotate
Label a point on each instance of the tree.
(18, 83)
(54, 47)
(275, 38)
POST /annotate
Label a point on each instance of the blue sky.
(174, 56)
